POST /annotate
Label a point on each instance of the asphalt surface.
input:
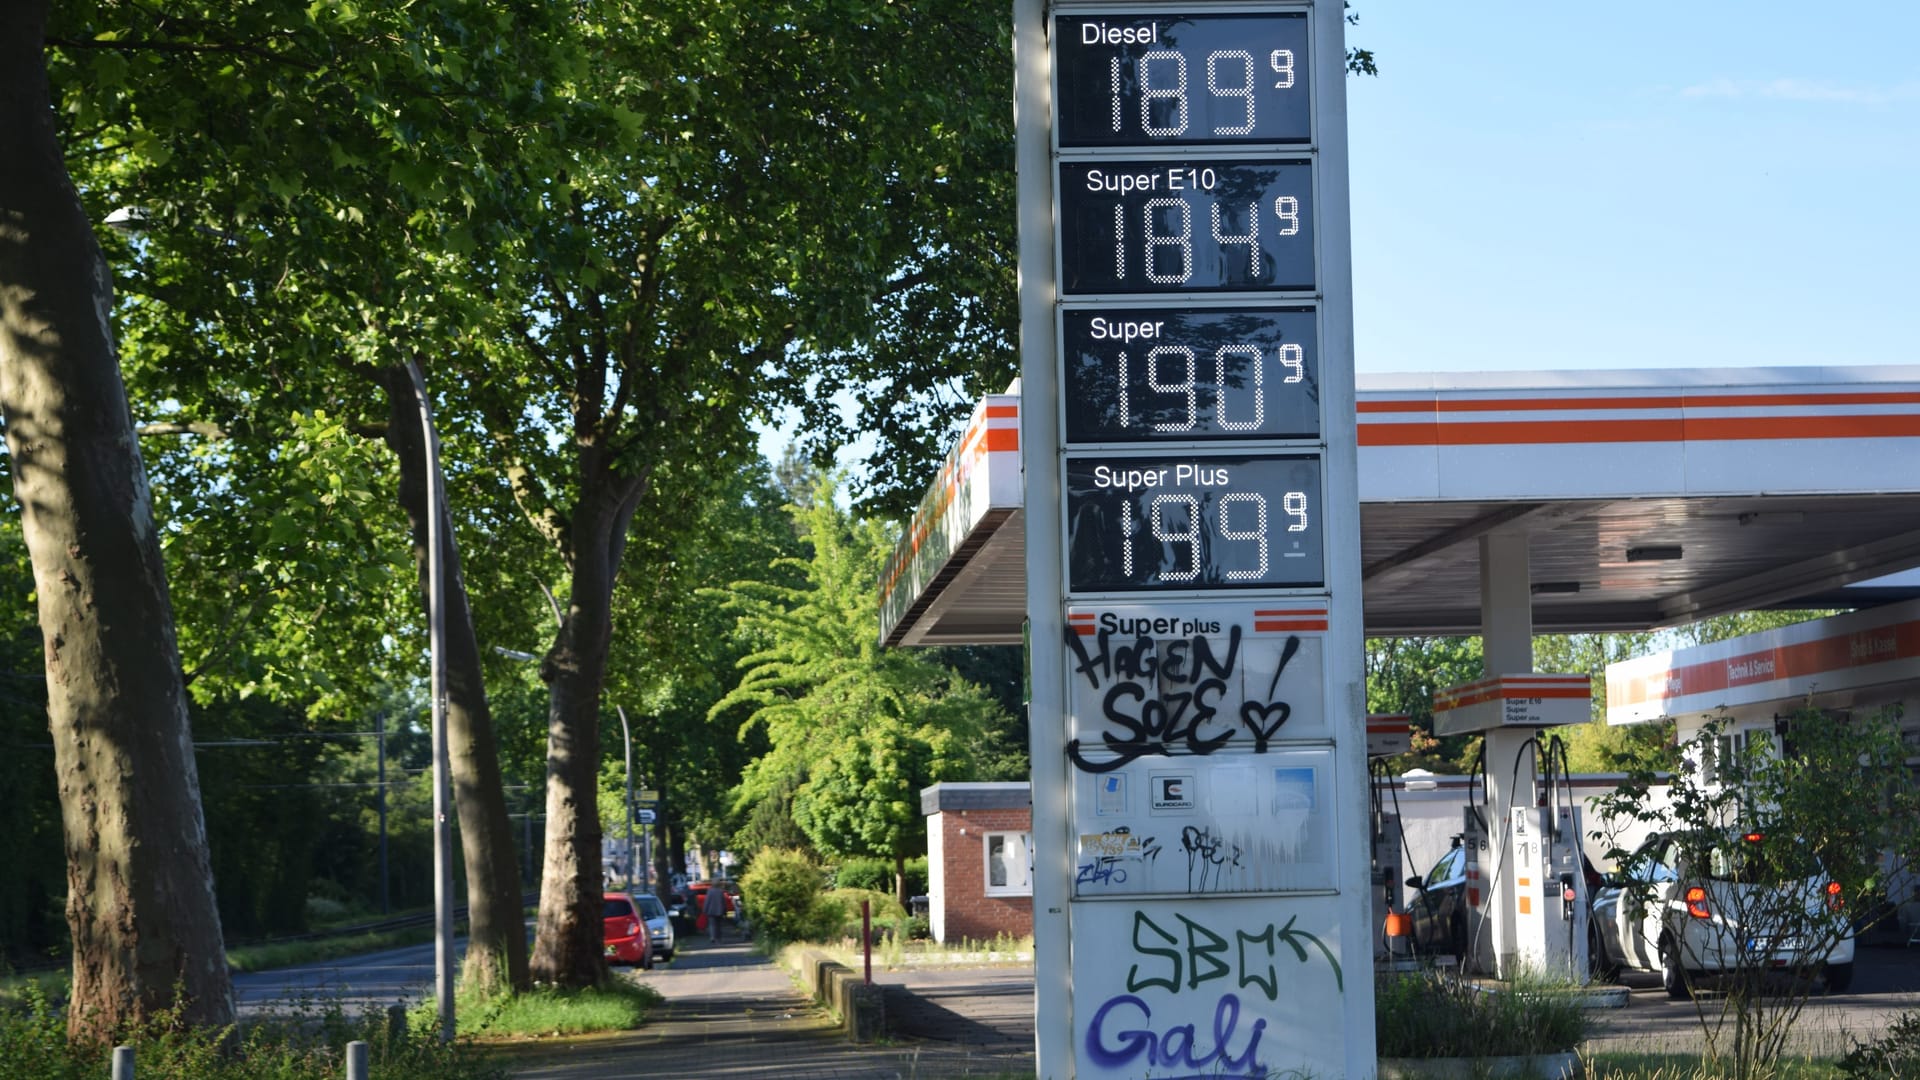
(730, 1013)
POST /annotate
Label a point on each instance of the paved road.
(358, 984)
(730, 1012)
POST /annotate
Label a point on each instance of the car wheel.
(1839, 977)
(646, 962)
(1603, 967)
(1673, 978)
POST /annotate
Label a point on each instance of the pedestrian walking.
(714, 907)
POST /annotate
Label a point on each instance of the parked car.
(1440, 912)
(1695, 907)
(625, 931)
(659, 925)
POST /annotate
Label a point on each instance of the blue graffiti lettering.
(1178, 1047)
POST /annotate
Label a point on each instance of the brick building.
(979, 860)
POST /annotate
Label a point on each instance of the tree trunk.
(140, 900)
(496, 938)
(568, 946)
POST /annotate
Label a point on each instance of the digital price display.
(1193, 521)
(1185, 226)
(1190, 374)
(1153, 80)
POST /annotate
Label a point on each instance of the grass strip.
(620, 1005)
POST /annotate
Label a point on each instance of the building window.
(1009, 864)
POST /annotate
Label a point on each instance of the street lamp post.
(436, 637)
(626, 736)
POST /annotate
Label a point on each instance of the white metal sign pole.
(1192, 527)
(1040, 440)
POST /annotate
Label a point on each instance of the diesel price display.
(1193, 521)
(1150, 80)
(1185, 226)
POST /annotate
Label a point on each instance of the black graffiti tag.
(1264, 719)
(1162, 723)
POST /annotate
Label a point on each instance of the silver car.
(1698, 907)
(659, 926)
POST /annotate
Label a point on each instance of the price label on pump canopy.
(1166, 374)
(1186, 226)
(1151, 80)
(1201, 521)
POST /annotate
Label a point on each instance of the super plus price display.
(1194, 79)
(1199, 522)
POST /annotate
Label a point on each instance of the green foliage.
(1431, 1014)
(1402, 675)
(33, 1046)
(786, 894)
(1892, 1056)
(866, 727)
(1837, 800)
(617, 1005)
(877, 875)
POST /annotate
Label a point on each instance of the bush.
(33, 1046)
(877, 875)
(1895, 1054)
(874, 874)
(784, 897)
(1431, 1014)
(886, 911)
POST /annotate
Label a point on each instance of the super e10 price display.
(1186, 226)
(1164, 374)
(1181, 522)
(1157, 80)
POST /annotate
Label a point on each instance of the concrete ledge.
(862, 1008)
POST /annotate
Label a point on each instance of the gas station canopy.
(1649, 498)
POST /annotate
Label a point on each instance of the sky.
(1689, 183)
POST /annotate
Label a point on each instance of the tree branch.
(140, 45)
(211, 431)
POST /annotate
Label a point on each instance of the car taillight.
(633, 928)
(1697, 903)
(1835, 901)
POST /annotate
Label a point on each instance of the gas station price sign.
(1179, 374)
(1181, 80)
(1186, 225)
(1177, 522)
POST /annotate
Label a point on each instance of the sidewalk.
(731, 1013)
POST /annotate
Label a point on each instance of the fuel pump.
(1550, 891)
(1387, 844)
(1479, 891)
(1550, 900)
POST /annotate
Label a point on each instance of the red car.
(626, 931)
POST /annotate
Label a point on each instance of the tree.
(856, 730)
(299, 259)
(1402, 675)
(1766, 828)
(140, 901)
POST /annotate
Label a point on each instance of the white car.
(659, 926)
(1696, 907)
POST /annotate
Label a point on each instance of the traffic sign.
(644, 817)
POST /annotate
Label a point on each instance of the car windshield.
(650, 906)
(618, 907)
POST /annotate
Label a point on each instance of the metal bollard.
(123, 1063)
(356, 1060)
(396, 1025)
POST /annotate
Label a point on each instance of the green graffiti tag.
(1201, 956)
